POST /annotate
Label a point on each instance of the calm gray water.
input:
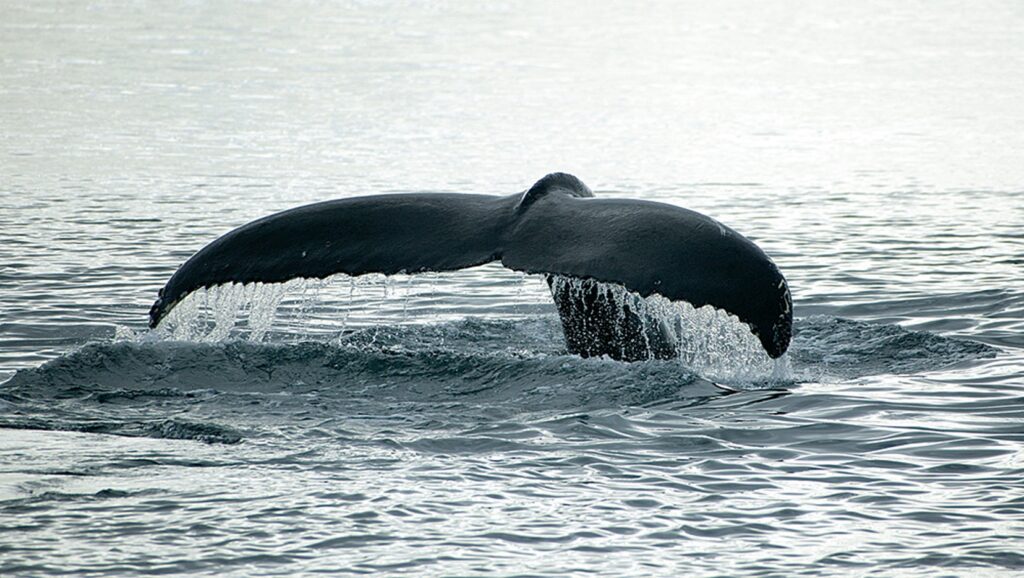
(435, 426)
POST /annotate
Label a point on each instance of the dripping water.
(709, 341)
(706, 340)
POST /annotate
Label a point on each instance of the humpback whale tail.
(555, 228)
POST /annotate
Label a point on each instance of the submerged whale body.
(556, 227)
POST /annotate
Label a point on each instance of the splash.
(706, 340)
(332, 308)
(710, 341)
(298, 308)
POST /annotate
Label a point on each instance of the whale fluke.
(554, 228)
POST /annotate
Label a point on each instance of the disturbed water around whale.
(435, 425)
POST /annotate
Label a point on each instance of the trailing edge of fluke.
(557, 227)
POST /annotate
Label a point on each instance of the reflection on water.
(436, 426)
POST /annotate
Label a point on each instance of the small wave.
(189, 391)
(173, 429)
(382, 364)
(182, 430)
(44, 499)
(447, 359)
(846, 348)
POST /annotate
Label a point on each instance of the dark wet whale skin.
(556, 227)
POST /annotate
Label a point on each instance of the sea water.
(435, 425)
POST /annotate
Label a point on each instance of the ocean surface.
(435, 425)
